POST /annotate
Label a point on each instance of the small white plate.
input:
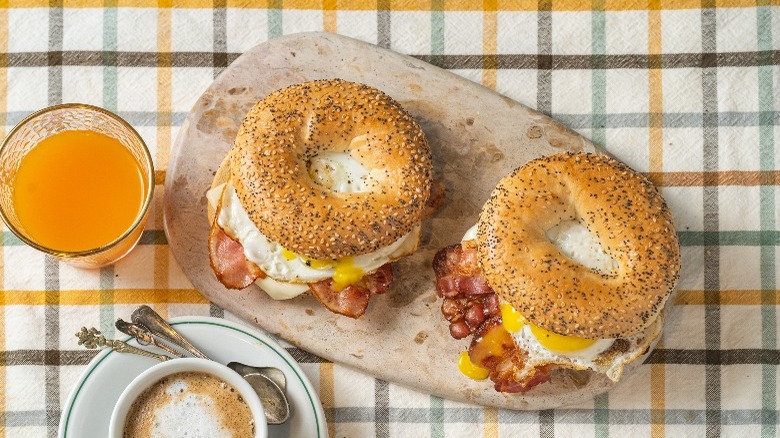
(88, 410)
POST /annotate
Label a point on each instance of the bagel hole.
(576, 242)
(338, 172)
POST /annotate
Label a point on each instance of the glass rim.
(141, 212)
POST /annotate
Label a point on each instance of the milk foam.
(191, 415)
(189, 404)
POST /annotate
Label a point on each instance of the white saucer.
(88, 410)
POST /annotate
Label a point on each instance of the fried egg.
(607, 356)
(287, 272)
(577, 243)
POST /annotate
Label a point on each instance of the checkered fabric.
(686, 91)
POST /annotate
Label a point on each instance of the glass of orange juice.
(76, 182)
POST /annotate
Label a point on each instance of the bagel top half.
(283, 132)
(619, 207)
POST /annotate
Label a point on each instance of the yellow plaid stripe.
(164, 76)
(328, 394)
(192, 296)
(3, 97)
(329, 21)
(87, 297)
(655, 92)
(489, 44)
(490, 421)
(395, 5)
(727, 297)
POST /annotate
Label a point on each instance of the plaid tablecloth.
(685, 91)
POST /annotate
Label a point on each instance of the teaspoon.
(268, 382)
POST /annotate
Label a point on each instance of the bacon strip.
(471, 307)
(352, 301)
(379, 281)
(229, 262)
(508, 370)
(236, 272)
(468, 299)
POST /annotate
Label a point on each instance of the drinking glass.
(70, 117)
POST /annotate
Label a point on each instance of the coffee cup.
(199, 396)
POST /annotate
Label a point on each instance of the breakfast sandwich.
(568, 268)
(327, 184)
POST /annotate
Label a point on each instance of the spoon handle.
(92, 338)
(143, 336)
(150, 319)
(123, 347)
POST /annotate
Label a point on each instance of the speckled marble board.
(476, 136)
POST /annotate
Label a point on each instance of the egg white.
(470, 234)
(288, 278)
(598, 357)
(339, 172)
(526, 339)
(577, 243)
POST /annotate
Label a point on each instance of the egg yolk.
(345, 273)
(513, 321)
(344, 270)
(559, 343)
(319, 264)
(467, 367)
(312, 263)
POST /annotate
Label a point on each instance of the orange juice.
(78, 190)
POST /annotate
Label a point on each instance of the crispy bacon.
(435, 199)
(229, 262)
(236, 272)
(468, 299)
(508, 369)
(352, 301)
(471, 307)
(457, 260)
(379, 281)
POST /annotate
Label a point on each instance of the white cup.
(157, 372)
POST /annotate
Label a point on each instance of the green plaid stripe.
(712, 391)
(598, 136)
(767, 210)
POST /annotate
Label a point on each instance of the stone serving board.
(476, 135)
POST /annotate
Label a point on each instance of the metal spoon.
(152, 321)
(275, 408)
(269, 383)
(143, 336)
(146, 318)
(92, 338)
(275, 404)
(272, 373)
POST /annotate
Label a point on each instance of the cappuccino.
(189, 404)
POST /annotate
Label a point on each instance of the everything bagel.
(620, 207)
(284, 131)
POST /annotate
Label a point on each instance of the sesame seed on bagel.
(283, 132)
(618, 206)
